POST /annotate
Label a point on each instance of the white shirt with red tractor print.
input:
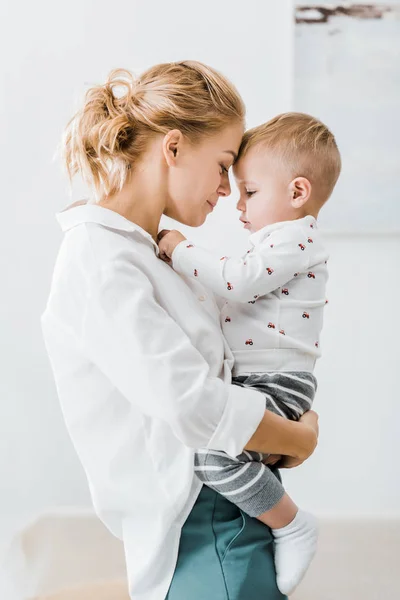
(274, 295)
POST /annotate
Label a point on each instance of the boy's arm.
(273, 263)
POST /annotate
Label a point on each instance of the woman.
(141, 367)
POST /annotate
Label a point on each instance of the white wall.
(347, 74)
(354, 471)
(47, 56)
(49, 50)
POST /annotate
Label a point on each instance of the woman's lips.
(212, 204)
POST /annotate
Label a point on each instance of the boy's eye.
(249, 193)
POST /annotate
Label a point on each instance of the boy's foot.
(295, 547)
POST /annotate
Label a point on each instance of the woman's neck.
(141, 200)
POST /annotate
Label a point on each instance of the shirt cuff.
(243, 413)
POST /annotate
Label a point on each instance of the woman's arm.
(148, 357)
(276, 435)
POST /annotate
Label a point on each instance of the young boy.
(273, 311)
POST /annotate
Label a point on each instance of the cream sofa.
(69, 555)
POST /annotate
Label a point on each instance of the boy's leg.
(243, 480)
(263, 496)
(295, 531)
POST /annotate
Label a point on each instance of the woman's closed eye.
(224, 169)
(249, 193)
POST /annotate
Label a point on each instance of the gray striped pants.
(245, 480)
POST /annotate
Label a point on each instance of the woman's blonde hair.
(305, 146)
(109, 133)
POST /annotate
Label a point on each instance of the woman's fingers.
(310, 418)
(272, 459)
(288, 462)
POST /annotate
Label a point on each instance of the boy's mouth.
(247, 224)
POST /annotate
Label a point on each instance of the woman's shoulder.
(103, 234)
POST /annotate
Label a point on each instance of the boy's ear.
(172, 144)
(300, 191)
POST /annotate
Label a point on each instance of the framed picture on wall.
(347, 73)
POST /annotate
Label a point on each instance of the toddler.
(272, 313)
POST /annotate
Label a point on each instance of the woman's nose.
(225, 187)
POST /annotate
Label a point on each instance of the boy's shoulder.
(303, 229)
(303, 234)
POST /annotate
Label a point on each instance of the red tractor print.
(251, 302)
(316, 344)
(282, 331)
(327, 301)
(196, 273)
(271, 325)
(295, 275)
(302, 247)
(310, 240)
(306, 315)
(311, 275)
(190, 246)
(312, 225)
(271, 245)
(249, 342)
(285, 291)
(256, 296)
(229, 286)
(269, 271)
(223, 258)
(227, 320)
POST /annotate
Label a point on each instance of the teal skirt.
(224, 554)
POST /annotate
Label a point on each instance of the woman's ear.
(172, 145)
(300, 191)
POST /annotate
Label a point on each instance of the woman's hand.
(167, 242)
(310, 419)
(272, 459)
(288, 462)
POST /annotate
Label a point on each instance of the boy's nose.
(241, 205)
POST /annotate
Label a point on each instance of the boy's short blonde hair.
(303, 145)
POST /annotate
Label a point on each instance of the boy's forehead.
(247, 167)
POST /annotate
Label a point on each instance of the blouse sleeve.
(153, 363)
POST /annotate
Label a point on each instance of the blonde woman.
(141, 367)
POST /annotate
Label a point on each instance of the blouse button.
(202, 298)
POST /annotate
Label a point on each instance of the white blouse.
(143, 375)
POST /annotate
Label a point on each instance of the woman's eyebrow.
(233, 154)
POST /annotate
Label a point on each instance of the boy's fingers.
(162, 233)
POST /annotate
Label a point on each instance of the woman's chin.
(194, 220)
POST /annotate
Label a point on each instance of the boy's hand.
(168, 241)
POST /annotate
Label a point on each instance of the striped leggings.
(245, 480)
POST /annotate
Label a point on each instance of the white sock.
(295, 547)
